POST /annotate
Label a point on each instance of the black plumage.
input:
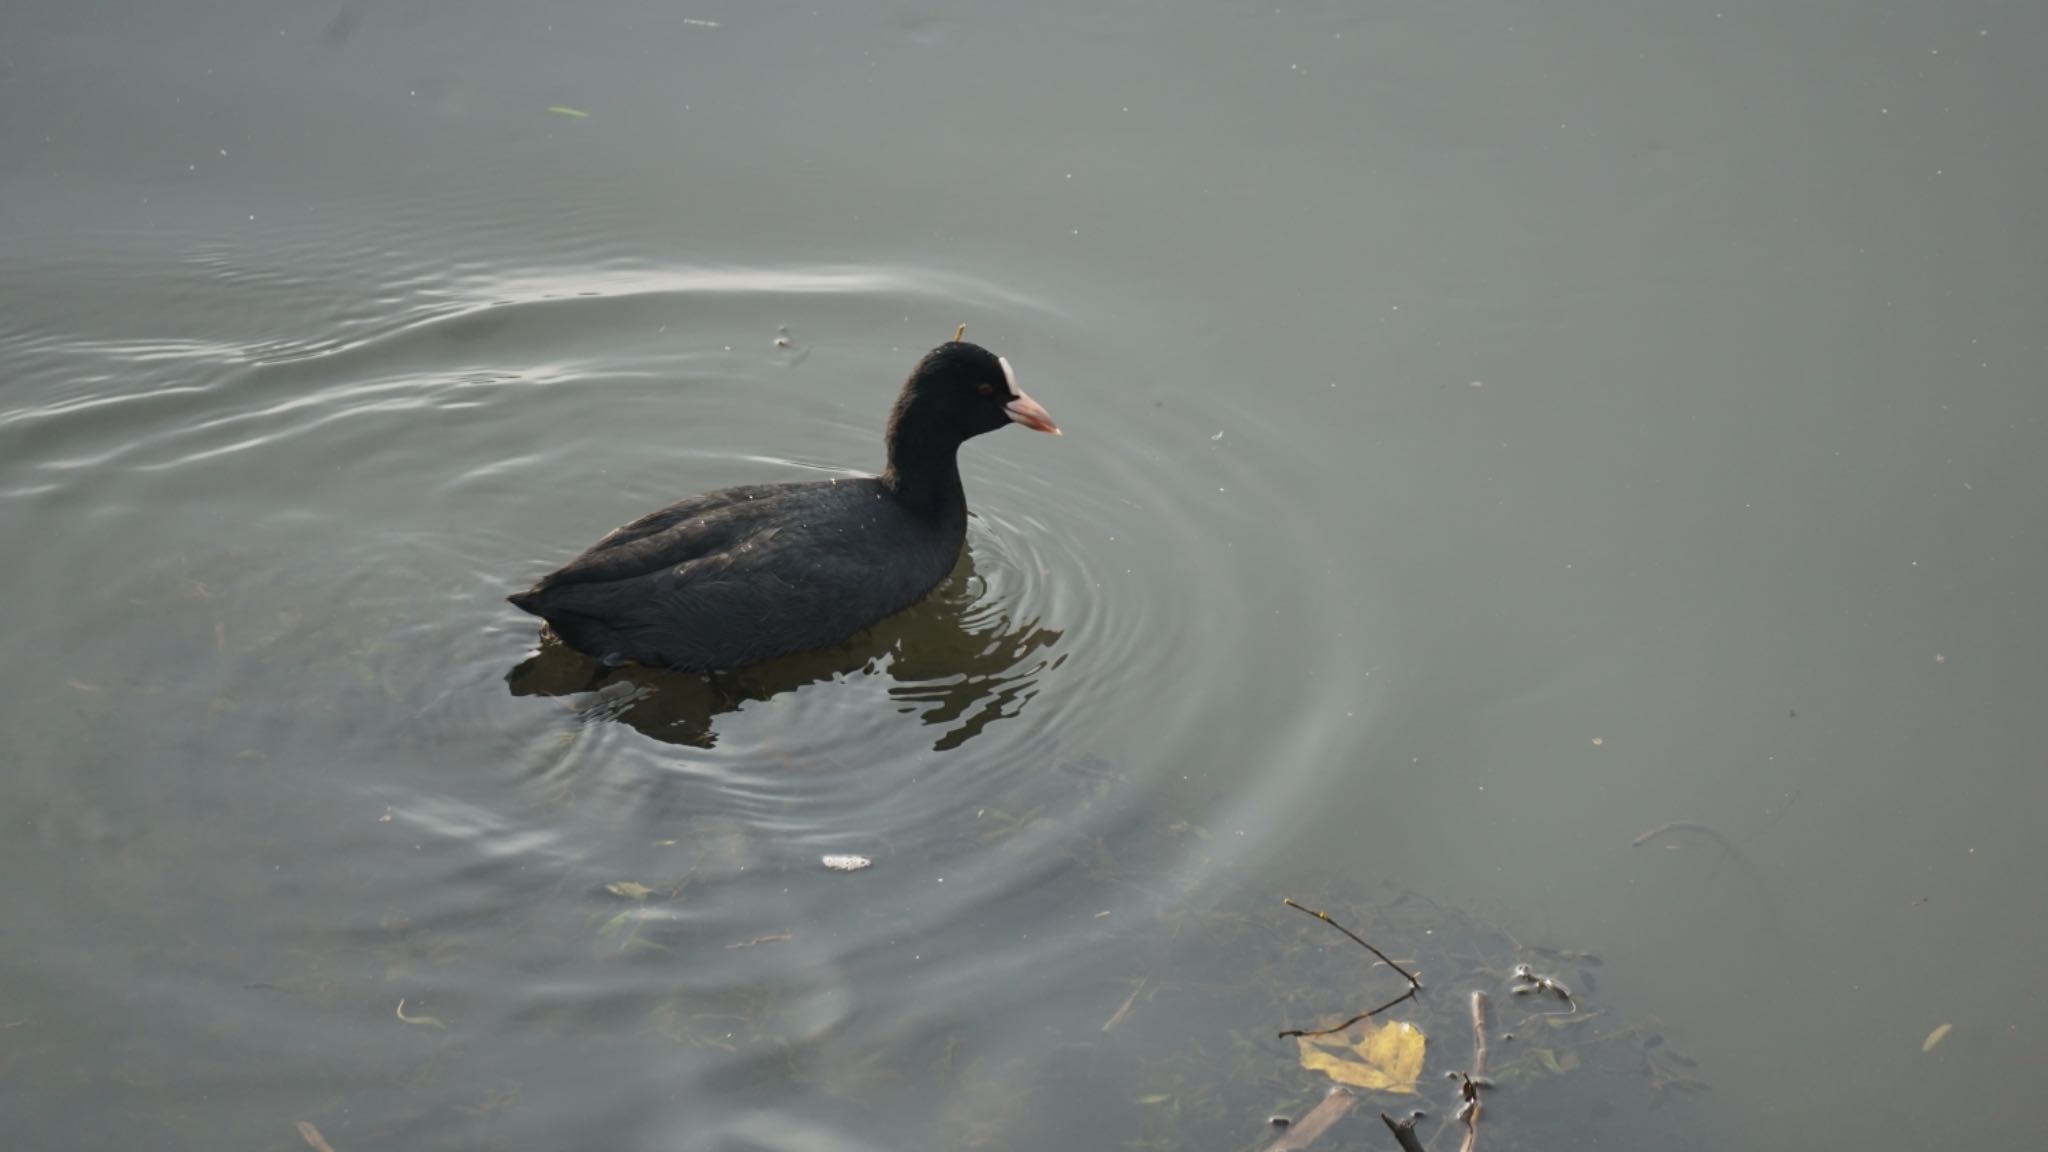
(747, 574)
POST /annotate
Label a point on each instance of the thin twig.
(1325, 918)
(1414, 984)
(1346, 1025)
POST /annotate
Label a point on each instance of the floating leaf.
(1935, 1037)
(615, 923)
(578, 113)
(629, 889)
(1558, 1063)
(1388, 1059)
(1155, 1098)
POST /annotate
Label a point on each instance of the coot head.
(959, 390)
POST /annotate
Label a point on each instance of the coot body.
(747, 574)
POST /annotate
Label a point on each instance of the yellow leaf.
(630, 889)
(1558, 1063)
(1388, 1059)
(1935, 1037)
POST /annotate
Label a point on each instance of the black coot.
(747, 574)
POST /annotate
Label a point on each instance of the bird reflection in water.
(959, 661)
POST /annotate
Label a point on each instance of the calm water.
(1493, 431)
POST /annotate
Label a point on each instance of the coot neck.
(926, 480)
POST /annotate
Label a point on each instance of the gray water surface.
(1493, 431)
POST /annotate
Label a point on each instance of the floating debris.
(1388, 1059)
(429, 1021)
(846, 863)
(312, 1137)
(768, 939)
(629, 889)
(577, 113)
(1935, 1037)
(1528, 981)
(1130, 1002)
(1298, 1136)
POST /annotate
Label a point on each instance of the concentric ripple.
(297, 544)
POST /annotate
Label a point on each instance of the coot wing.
(699, 526)
(806, 575)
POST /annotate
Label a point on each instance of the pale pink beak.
(1031, 414)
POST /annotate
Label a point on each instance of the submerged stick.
(1404, 1132)
(1707, 830)
(1129, 1001)
(1476, 1079)
(1414, 984)
(1478, 1035)
(1728, 846)
(1318, 1121)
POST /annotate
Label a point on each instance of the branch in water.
(1404, 1132)
(1414, 984)
(1476, 1079)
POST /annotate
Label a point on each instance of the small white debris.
(847, 863)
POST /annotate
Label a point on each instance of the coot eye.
(987, 389)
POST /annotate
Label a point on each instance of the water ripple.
(301, 540)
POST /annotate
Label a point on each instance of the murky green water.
(1493, 432)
